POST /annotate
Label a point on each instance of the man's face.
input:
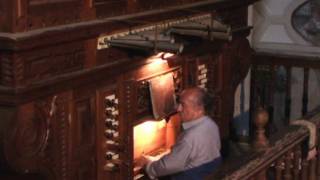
(186, 108)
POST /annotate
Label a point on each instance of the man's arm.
(171, 163)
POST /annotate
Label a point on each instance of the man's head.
(191, 105)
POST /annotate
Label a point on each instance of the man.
(197, 150)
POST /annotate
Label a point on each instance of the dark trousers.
(198, 173)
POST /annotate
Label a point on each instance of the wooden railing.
(284, 153)
(289, 76)
(284, 159)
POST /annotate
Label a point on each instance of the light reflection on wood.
(149, 136)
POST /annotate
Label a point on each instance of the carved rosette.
(27, 138)
(30, 138)
(36, 140)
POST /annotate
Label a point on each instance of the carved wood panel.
(129, 94)
(46, 13)
(31, 66)
(38, 137)
(113, 133)
(133, 6)
(111, 55)
(143, 99)
(84, 139)
(23, 15)
(107, 8)
(148, 5)
(48, 62)
(5, 18)
(7, 73)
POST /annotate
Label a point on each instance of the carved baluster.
(287, 166)
(318, 162)
(296, 163)
(261, 119)
(262, 175)
(312, 169)
(288, 95)
(271, 93)
(304, 169)
(279, 168)
(305, 91)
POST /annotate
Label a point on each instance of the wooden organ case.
(69, 108)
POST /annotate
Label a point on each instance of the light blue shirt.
(199, 143)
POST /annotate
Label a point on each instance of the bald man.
(197, 150)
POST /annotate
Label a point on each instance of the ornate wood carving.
(45, 13)
(261, 119)
(118, 8)
(29, 67)
(282, 155)
(61, 128)
(7, 76)
(84, 139)
(50, 62)
(279, 169)
(5, 18)
(296, 162)
(18, 67)
(38, 139)
(111, 55)
(129, 113)
(143, 98)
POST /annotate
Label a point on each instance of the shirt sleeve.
(171, 163)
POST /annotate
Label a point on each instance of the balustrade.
(285, 159)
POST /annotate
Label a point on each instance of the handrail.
(281, 144)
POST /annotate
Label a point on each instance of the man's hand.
(312, 154)
(144, 160)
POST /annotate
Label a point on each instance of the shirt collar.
(190, 124)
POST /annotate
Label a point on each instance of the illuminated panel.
(157, 63)
(149, 136)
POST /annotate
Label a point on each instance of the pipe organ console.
(74, 107)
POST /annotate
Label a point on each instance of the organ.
(75, 107)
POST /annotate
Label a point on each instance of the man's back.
(203, 138)
(197, 150)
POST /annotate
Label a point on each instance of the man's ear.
(200, 110)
